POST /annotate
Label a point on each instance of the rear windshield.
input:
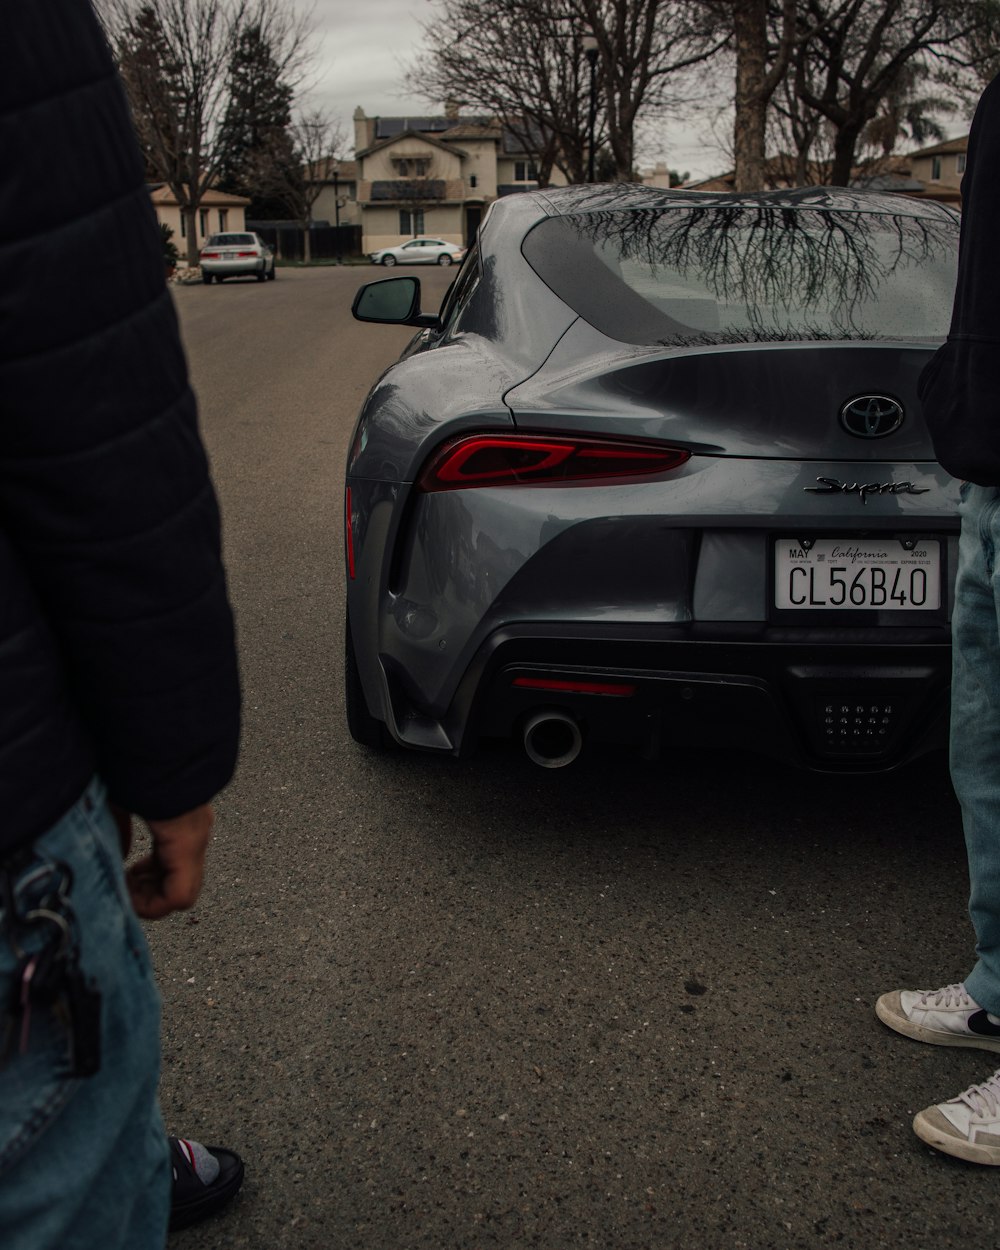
(229, 240)
(746, 274)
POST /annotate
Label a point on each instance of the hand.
(169, 878)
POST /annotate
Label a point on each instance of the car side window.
(460, 292)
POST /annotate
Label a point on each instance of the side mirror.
(393, 301)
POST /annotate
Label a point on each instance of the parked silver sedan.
(236, 254)
(423, 251)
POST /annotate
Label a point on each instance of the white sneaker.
(968, 1126)
(944, 1017)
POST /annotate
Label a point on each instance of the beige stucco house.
(434, 175)
(218, 212)
(337, 201)
(658, 176)
(940, 168)
(933, 173)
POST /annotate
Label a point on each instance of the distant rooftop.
(961, 144)
(389, 127)
(462, 126)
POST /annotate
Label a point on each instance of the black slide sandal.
(192, 1200)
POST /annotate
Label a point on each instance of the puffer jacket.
(116, 637)
(960, 387)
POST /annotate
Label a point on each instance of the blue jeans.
(975, 726)
(84, 1163)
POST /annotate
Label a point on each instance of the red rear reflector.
(621, 689)
(349, 533)
(521, 460)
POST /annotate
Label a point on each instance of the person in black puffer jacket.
(119, 689)
(960, 390)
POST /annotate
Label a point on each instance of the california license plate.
(847, 573)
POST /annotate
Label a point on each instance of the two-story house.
(336, 182)
(434, 175)
(940, 168)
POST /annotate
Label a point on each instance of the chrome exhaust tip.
(552, 739)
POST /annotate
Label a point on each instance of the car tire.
(363, 727)
(444, 259)
(272, 275)
(207, 279)
(388, 260)
(260, 275)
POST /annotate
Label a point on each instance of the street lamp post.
(336, 210)
(590, 47)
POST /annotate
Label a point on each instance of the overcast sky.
(362, 47)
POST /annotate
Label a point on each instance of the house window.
(203, 221)
(411, 222)
(935, 169)
(525, 171)
(184, 225)
(223, 218)
(473, 181)
(411, 167)
(960, 163)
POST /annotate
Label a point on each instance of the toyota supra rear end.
(656, 474)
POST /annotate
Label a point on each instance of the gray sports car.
(656, 474)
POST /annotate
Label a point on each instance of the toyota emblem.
(871, 416)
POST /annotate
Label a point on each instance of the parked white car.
(420, 252)
(239, 253)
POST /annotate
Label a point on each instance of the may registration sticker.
(834, 574)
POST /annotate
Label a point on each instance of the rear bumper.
(234, 268)
(825, 704)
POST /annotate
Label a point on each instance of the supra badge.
(832, 486)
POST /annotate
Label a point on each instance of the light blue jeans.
(84, 1163)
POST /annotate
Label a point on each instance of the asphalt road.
(473, 1004)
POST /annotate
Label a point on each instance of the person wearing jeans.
(960, 390)
(119, 689)
(58, 1133)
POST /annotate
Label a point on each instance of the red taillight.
(349, 533)
(245, 255)
(521, 460)
(560, 685)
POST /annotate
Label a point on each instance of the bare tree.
(180, 106)
(293, 166)
(863, 68)
(763, 35)
(760, 67)
(965, 67)
(907, 113)
(518, 61)
(645, 49)
(523, 62)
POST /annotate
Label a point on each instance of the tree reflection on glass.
(813, 266)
